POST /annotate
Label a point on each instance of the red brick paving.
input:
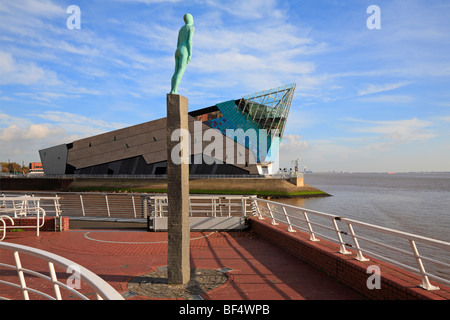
(260, 271)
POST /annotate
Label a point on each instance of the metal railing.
(279, 175)
(208, 205)
(75, 204)
(102, 290)
(2, 220)
(22, 207)
(330, 226)
(136, 206)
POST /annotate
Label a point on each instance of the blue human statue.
(184, 51)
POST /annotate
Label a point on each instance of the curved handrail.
(103, 290)
(4, 225)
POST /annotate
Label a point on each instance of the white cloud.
(36, 7)
(26, 73)
(388, 98)
(14, 133)
(376, 88)
(292, 147)
(22, 138)
(391, 133)
(149, 1)
(294, 141)
(250, 9)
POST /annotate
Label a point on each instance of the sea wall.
(34, 184)
(250, 186)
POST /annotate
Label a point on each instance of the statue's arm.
(189, 43)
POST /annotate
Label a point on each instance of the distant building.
(142, 149)
(36, 168)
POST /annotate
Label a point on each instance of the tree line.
(13, 167)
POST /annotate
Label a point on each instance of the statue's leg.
(180, 67)
(174, 85)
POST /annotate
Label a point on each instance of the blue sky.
(366, 99)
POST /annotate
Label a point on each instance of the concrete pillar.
(297, 180)
(178, 194)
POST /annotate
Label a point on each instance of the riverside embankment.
(265, 187)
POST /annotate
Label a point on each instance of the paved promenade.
(256, 269)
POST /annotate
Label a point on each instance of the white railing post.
(290, 229)
(271, 215)
(312, 236)
(57, 207)
(359, 255)
(14, 208)
(107, 205)
(134, 206)
(82, 205)
(160, 206)
(343, 249)
(425, 281)
(54, 279)
(23, 284)
(37, 222)
(255, 203)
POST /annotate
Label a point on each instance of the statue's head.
(188, 18)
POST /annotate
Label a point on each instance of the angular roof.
(269, 109)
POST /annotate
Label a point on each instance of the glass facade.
(266, 110)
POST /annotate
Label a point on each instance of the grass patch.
(263, 193)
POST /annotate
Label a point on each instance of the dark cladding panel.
(54, 159)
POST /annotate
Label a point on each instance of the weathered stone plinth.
(155, 284)
(178, 266)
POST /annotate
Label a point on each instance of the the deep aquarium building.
(235, 137)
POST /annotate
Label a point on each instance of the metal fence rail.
(25, 207)
(108, 205)
(208, 205)
(135, 206)
(102, 290)
(3, 224)
(342, 231)
(22, 204)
